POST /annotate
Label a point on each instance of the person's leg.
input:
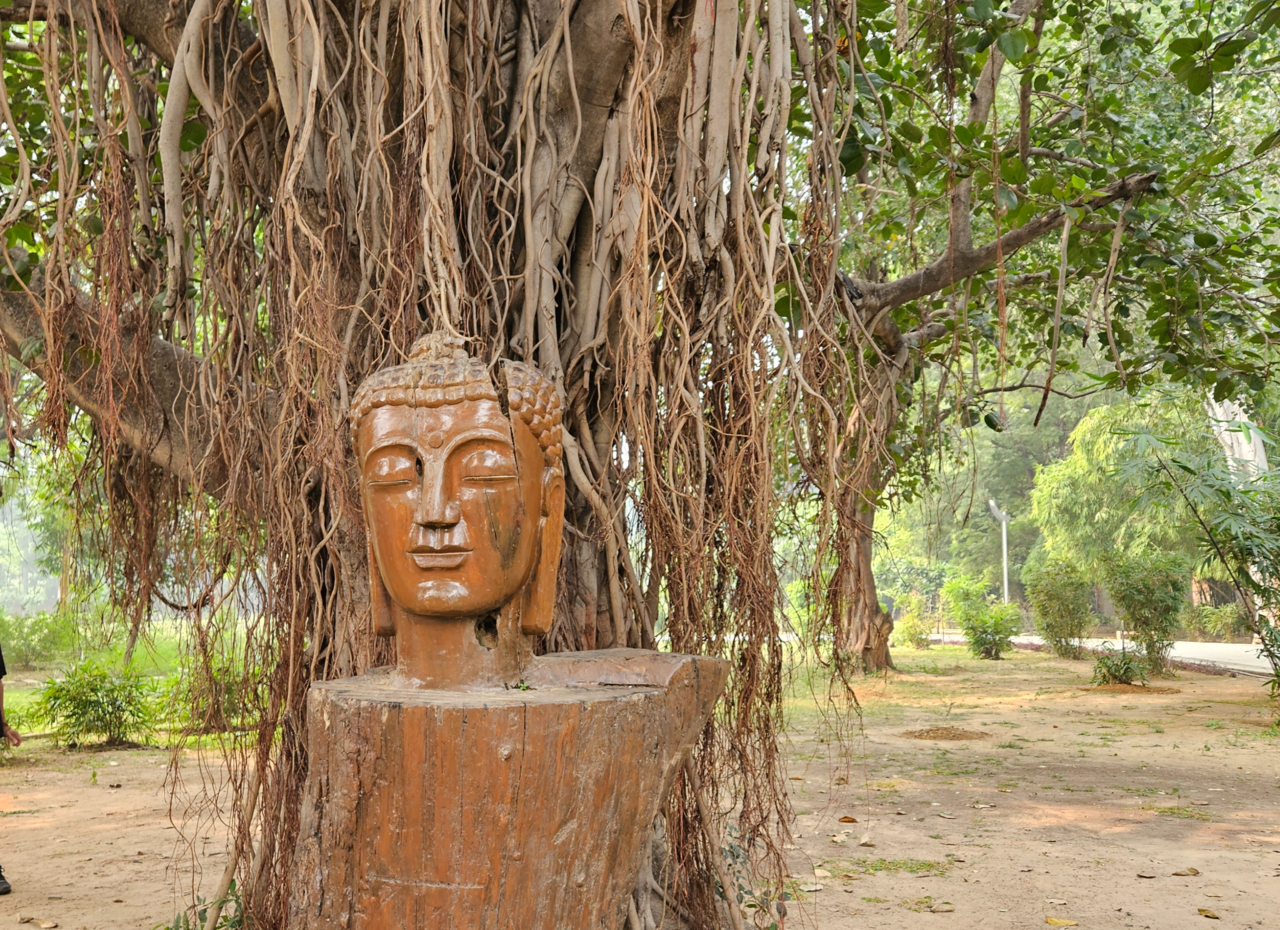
(5, 887)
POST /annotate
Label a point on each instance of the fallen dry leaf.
(847, 819)
(1055, 901)
(947, 816)
(1060, 922)
(942, 908)
(821, 873)
(839, 840)
(1187, 872)
(867, 841)
(1146, 875)
(1205, 912)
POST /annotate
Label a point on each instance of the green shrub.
(912, 628)
(992, 634)
(1149, 589)
(988, 628)
(91, 702)
(1223, 622)
(1060, 599)
(965, 599)
(1118, 668)
(32, 638)
(212, 700)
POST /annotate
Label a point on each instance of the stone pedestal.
(521, 809)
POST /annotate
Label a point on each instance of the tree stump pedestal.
(520, 809)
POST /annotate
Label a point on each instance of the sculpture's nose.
(436, 505)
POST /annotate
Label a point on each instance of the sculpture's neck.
(452, 654)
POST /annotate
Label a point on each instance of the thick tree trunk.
(865, 626)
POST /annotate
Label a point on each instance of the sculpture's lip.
(444, 557)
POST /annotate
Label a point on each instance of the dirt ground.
(87, 841)
(1069, 800)
(1078, 805)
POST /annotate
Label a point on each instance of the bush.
(1149, 589)
(988, 628)
(1118, 668)
(965, 599)
(92, 702)
(1060, 599)
(34, 638)
(1222, 622)
(912, 628)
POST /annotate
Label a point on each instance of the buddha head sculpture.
(463, 491)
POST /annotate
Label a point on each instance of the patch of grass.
(869, 866)
(1215, 724)
(1182, 813)
(876, 900)
(919, 905)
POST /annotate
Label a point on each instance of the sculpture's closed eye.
(482, 465)
(388, 468)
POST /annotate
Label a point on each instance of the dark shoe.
(5, 887)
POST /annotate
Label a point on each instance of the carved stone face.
(453, 497)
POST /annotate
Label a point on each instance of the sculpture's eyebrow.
(481, 432)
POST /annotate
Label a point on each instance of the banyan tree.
(222, 214)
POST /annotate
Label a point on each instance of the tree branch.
(160, 415)
(950, 268)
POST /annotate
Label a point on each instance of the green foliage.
(36, 637)
(965, 599)
(232, 916)
(1061, 601)
(988, 628)
(1084, 503)
(1149, 589)
(913, 626)
(212, 699)
(1118, 668)
(1222, 622)
(91, 703)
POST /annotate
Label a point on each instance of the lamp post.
(1004, 542)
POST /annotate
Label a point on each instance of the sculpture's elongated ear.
(539, 603)
(379, 600)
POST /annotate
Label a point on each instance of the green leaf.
(910, 131)
(30, 348)
(1007, 199)
(1013, 170)
(983, 10)
(993, 421)
(1013, 44)
(1199, 79)
(1205, 240)
(1268, 143)
(852, 156)
(193, 135)
(1185, 47)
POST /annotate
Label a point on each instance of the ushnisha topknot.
(439, 371)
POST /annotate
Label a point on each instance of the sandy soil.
(86, 838)
(1059, 813)
(1056, 814)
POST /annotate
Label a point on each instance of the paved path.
(1238, 656)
